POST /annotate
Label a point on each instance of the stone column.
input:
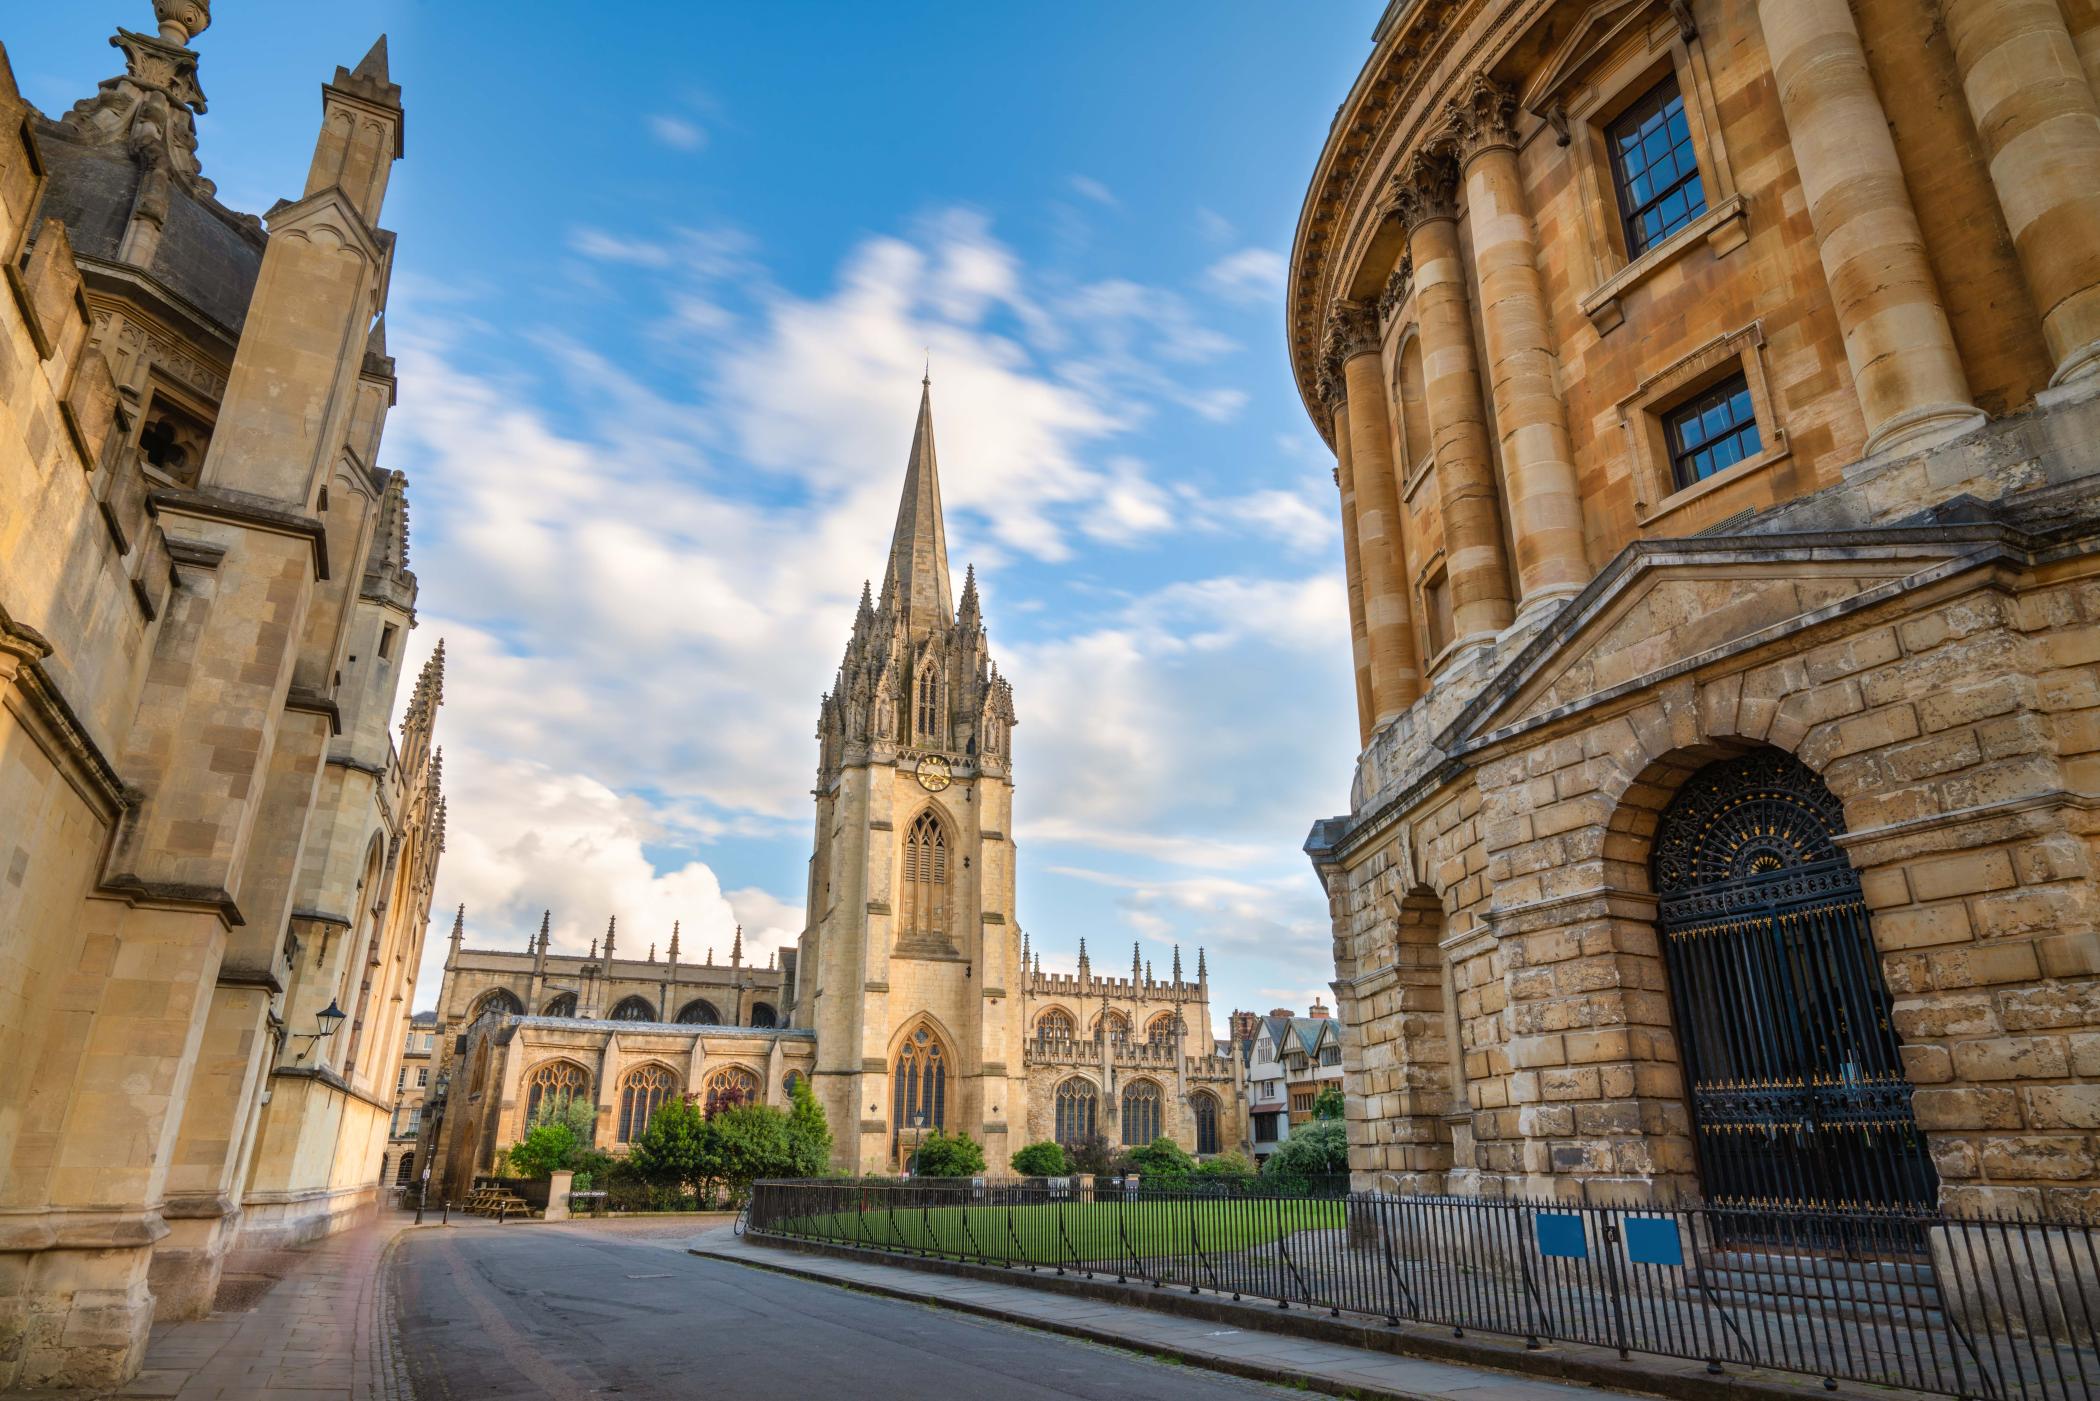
(1477, 571)
(2040, 124)
(1352, 345)
(1538, 455)
(1912, 391)
(1335, 402)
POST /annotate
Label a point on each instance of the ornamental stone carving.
(1352, 330)
(1397, 286)
(182, 20)
(1427, 188)
(1483, 117)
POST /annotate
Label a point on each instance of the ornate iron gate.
(1798, 1095)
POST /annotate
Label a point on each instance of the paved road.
(492, 1313)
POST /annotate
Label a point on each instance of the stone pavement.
(292, 1325)
(1303, 1362)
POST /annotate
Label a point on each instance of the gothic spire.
(969, 597)
(546, 918)
(916, 583)
(610, 926)
(674, 941)
(1177, 965)
(459, 929)
(736, 950)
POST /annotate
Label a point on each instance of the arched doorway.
(1798, 1096)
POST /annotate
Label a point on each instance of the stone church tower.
(909, 966)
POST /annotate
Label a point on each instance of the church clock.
(933, 773)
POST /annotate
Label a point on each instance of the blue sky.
(667, 275)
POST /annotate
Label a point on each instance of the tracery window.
(699, 1012)
(552, 1085)
(563, 1005)
(1141, 1113)
(1206, 1106)
(1054, 1025)
(1076, 1103)
(1164, 1032)
(633, 1009)
(642, 1093)
(920, 1096)
(1116, 1024)
(762, 1014)
(729, 1087)
(926, 876)
(502, 1001)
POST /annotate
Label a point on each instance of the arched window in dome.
(1076, 1102)
(642, 1092)
(1141, 1113)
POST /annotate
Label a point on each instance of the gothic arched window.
(1115, 1023)
(921, 1085)
(1206, 1106)
(929, 709)
(699, 1012)
(1141, 1113)
(552, 1085)
(1054, 1025)
(762, 1014)
(1165, 1031)
(502, 1001)
(642, 1093)
(563, 1005)
(729, 1087)
(926, 876)
(1076, 1100)
(633, 1009)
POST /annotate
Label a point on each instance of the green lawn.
(1090, 1230)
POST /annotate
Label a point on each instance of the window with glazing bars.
(1655, 169)
(1712, 432)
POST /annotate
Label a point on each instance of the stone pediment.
(1667, 607)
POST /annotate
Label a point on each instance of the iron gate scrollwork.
(1798, 1095)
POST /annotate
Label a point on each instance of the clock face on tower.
(933, 773)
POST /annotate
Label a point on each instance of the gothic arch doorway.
(1798, 1096)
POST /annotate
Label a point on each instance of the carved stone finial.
(1426, 188)
(1483, 117)
(182, 20)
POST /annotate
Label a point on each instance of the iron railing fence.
(1989, 1308)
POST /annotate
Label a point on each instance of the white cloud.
(603, 247)
(677, 133)
(1094, 190)
(1249, 275)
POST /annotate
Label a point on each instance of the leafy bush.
(676, 1150)
(750, 1142)
(1161, 1163)
(1233, 1164)
(1329, 1103)
(1045, 1159)
(558, 1137)
(1314, 1149)
(1092, 1155)
(949, 1155)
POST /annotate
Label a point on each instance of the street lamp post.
(918, 1125)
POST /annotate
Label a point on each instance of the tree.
(809, 1135)
(949, 1155)
(750, 1142)
(1092, 1155)
(1161, 1163)
(1329, 1103)
(676, 1149)
(1045, 1159)
(1232, 1164)
(1314, 1149)
(558, 1138)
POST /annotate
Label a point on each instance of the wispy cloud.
(1249, 275)
(1090, 188)
(676, 132)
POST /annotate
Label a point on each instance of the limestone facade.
(207, 832)
(1553, 252)
(400, 1167)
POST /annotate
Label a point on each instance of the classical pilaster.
(2040, 123)
(1538, 455)
(1335, 402)
(1912, 391)
(1352, 345)
(1476, 567)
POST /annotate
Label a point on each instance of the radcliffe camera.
(1397, 698)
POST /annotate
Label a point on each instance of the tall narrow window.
(929, 728)
(921, 1088)
(1655, 169)
(1054, 1025)
(1141, 1113)
(925, 912)
(1076, 1100)
(1712, 432)
(642, 1093)
(633, 1009)
(1436, 612)
(1206, 1107)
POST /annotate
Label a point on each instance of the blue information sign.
(1560, 1233)
(1653, 1240)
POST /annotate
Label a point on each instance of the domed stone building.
(1713, 391)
